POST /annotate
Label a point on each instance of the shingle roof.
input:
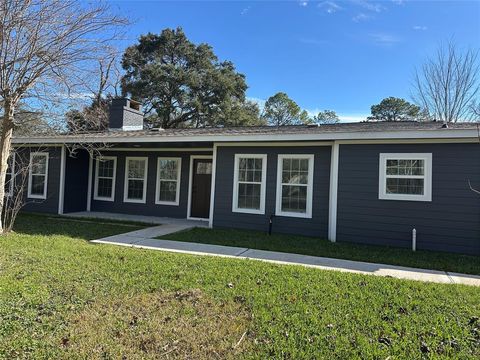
(352, 128)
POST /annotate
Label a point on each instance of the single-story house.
(370, 183)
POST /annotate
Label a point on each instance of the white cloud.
(419, 28)
(258, 101)
(399, 2)
(352, 117)
(361, 17)
(303, 3)
(330, 7)
(370, 6)
(245, 10)
(384, 39)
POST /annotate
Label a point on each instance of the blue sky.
(339, 55)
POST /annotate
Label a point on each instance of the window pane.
(168, 169)
(297, 173)
(405, 167)
(168, 191)
(250, 170)
(105, 187)
(38, 182)
(249, 196)
(294, 198)
(204, 168)
(105, 168)
(135, 189)
(136, 169)
(39, 164)
(405, 186)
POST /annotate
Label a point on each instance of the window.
(135, 179)
(37, 175)
(295, 185)
(250, 176)
(168, 181)
(9, 176)
(105, 175)
(405, 177)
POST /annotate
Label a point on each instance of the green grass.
(63, 297)
(319, 247)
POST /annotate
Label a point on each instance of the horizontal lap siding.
(50, 204)
(450, 222)
(149, 208)
(224, 217)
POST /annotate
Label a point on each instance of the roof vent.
(445, 126)
(125, 114)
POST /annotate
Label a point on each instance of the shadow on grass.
(85, 229)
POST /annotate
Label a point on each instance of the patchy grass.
(63, 297)
(318, 247)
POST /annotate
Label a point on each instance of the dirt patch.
(160, 325)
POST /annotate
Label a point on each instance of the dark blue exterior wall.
(76, 181)
(224, 217)
(450, 222)
(50, 204)
(150, 208)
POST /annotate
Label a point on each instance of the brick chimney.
(125, 115)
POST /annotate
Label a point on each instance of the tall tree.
(326, 117)
(280, 110)
(44, 45)
(447, 84)
(394, 109)
(180, 84)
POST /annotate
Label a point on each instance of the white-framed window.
(10, 175)
(136, 169)
(38, 175)
(295, 185)
(105, 178)
(168, 180)
(249, 182)
(405, 176)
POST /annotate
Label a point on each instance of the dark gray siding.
(76, 182)
(224, 217)
(150, 208)
(50, 204)
(450, 222)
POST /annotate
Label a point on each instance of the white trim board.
(61, 187)
(262, 183)
(45, 184)
(333, 194)
(209, 150)
(427, 176)
(278, 203)
(190, 183)
(89, 184)
(178, 181)
(143, 200)
(212, 186)
(114, 179)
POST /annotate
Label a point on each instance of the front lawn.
(318, 247)
(63, 297)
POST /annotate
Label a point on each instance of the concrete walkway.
(144, 239)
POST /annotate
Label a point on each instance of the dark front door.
(201, 185)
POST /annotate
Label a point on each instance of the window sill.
(421, 198)
(103, 199)
(133, 201)
(295, 215)
(41, 197)
(249, 211)
(171, 203)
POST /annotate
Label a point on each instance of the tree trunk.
(5, 146)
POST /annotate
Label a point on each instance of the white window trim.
(45, 184)
(179, 173)
(9, 193)
(382, 183)
(278, 207)
(143, 200)
(235, 207)
(114, 180)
